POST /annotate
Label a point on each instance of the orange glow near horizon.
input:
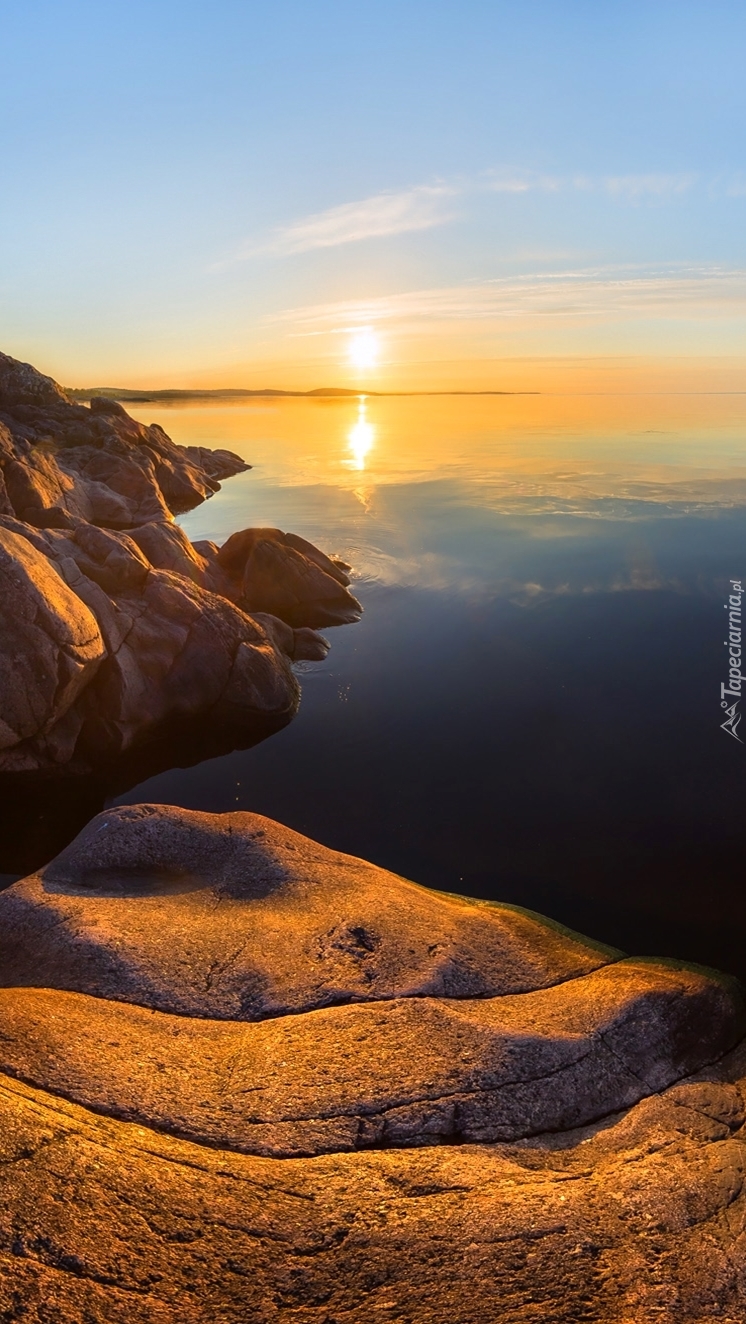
(567, 375)
(525, 451)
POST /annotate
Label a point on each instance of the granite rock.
(160, 652)
(64, 462)
(51, 643)
(170, 644)
(268, 923)
(639, 1219)
(566, 1145)
(286, 576)
(401, 1072)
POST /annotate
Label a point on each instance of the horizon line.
(134, 396)
(129, 395)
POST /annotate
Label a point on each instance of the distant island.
(236, 393)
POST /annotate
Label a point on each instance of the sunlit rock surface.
(114, 629)
(268, 923)
(265, 1080)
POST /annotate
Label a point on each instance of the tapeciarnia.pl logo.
(733, 644)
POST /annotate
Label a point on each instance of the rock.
(218, 464)
(639, 1219)
(286, 576)
(165, 651)
(305, 927)
(572, 1151)
(67, 463)
(167, 547)
(51, 644)
(22, 385)
(302, 645)
(409, 1071)
(176, 657)
(5, 506)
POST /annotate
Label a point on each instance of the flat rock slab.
(268, 1081)
(407, 1072)
(234, 916)
(641, 1220)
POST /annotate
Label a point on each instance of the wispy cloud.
(636, 188)
(571, 294)
(418, 208)
(425, 206)
(631, 188)
(627, 188)
(517, 181)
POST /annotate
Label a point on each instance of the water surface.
(530, 707)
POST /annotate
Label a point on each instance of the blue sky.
(220, 193)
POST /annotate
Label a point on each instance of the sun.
(363, 348)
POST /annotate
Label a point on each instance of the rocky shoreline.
(245, 1077)
(117, 631)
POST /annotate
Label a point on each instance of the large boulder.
(305, 926)
(142, 651)
(286, 576)
(50, 648)
(529, 1128)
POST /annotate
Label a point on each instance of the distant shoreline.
(237, 393)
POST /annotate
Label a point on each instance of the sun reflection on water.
(520, 454)
(361, 437)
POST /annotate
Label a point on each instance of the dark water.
(530, 707)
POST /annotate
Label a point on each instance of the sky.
(396, 195)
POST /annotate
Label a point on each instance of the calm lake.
(530, 708)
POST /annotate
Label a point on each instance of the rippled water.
(530, 707)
